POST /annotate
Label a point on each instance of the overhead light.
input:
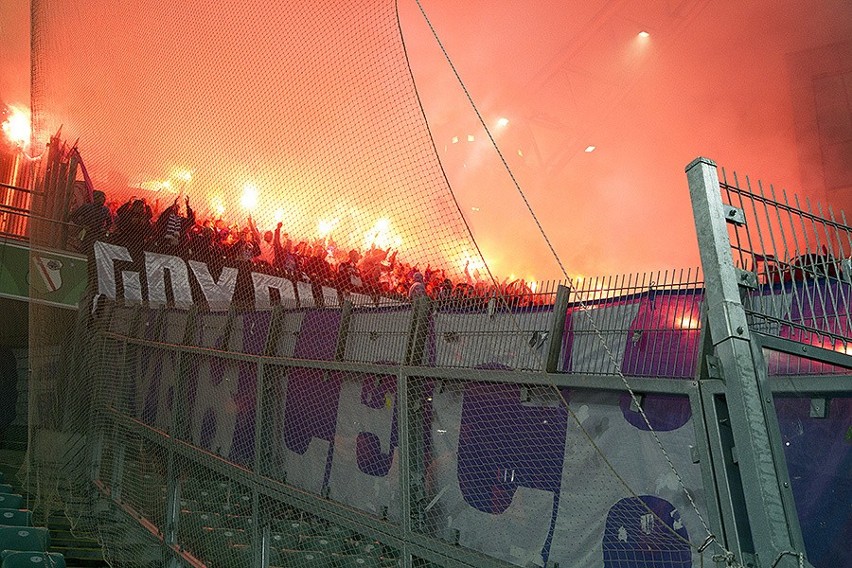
(502, 121)
(455, 139)
(589, 149)
(643, 34)
(470, 138)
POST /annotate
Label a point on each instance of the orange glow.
(845, 349)
(156, 185)
(17, 126)
(686, 322)
(217, 205)
(381, 236)
(324, 227)
(249, 199)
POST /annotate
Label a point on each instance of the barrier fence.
(461, 435)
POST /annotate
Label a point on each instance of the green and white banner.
(45, 276)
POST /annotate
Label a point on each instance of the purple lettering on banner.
(310, 410)
(207, 424)
(377, 392)
(663, 337)
(665, 412)
(226, 422)
(505, 444)
(645, 531)
(156, 388)
(255, 328)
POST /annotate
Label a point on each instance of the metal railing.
(457, 412)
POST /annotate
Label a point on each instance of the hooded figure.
(417, 289)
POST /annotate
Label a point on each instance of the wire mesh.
(800, 255)
(650, 322)
(492, 467)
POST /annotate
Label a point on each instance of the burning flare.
(17, 126)
(249, 198)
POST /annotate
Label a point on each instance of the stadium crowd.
(377, 272)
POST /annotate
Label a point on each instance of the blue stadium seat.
(11, 501)
(24, 538)
(6, 488)
(16, 517)
(32, 560)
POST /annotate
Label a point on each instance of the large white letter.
(155, 271)
(105, 255)
(263, 283)
(218, 294)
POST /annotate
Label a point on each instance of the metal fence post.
(754, 448)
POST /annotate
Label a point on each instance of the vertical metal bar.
(118, 438)
(825, 261)
(177, 427)
(755, 430)
(343, 335)
(406, 459)
(260, 527)
(557, 329)
(681, 294)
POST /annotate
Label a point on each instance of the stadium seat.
(286, 541)
(189, 506)
(322, 544)
(229, 546)
(199, 520)
(6, 488)
(11, 501)
(16, 517)
(236, 522)
(291, 527)
(306, 559)
(2, 477)
(33, 560)
(335, 532)
(359, 562)
(223, 538)
(24, 538)
(241, 503)
(367, 548)
(195, 528)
